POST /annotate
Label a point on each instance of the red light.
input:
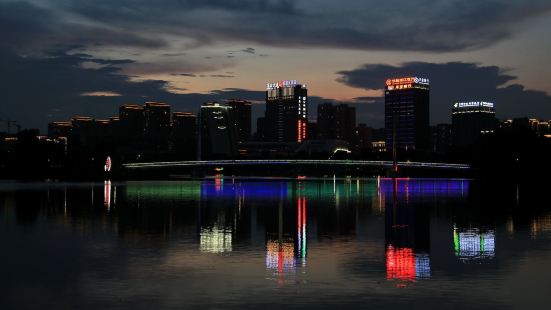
(400, 264)
(299, 131)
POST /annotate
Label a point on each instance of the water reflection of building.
(280, 256)
(424, 187)
(215, 239)
(540, 225)
(404, 264)
(107, 194)
(407, 233)
(473, 244)
(287, 252)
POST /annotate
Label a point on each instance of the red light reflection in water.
(107, 194)
(218, 182)
(400, 264)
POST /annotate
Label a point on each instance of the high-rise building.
(286, 111)
(157, 125)
(336, 122)
(82, 132)
(241, 110)
(345, 122)
(184, 134)
(260, 129)
(326, 121)
(157, 118)
(470, 120)
(184, 124)
(132, 120)
(218, 133)
(441, 138)
(363, 137)
(59, 129)
(407, 113)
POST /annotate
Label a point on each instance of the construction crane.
(11, 123)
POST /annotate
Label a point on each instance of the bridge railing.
(243, 162)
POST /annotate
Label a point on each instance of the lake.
(271, 243)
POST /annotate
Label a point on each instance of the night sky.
(59, 58)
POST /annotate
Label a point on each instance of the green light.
(456, 241)
(164, 190)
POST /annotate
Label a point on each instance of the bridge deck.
(301, 162)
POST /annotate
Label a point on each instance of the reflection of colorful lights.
(400, 264)
(301, 228)
(404, 265)
(473, 244)
(215, 240)
(247, 189)
(163, 190)
(107, 194)
(280, 256)
(219, 182)
(422, 265)
(107, 166)
(424, 186)
(540, 224)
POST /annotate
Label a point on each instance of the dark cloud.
(423, 25)
(249, 50)
(28, 27)
(221, 76)
(37, 90)
(184, 74)
(457, 81)
(173, 54)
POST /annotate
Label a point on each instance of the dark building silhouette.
(345, 122)
(336, 122)
(326, 121)
(260, 129)
(312, 131)
(157, 125)
(407, 113)
(441, 138)
(363, 137)
(286, 112)
(218, 132)
(540, 127)
(241, 110)
(184, 134)
(59, 129)
(132, 120)
(82, 132)
(157, 118)
(470, 120)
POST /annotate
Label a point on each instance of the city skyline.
(61, 59)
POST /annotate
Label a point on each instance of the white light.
(473, 104)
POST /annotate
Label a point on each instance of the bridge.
(260, 163)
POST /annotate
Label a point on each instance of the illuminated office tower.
(286, 112)
(470, 120)
(218, 132)
(241, 110)
(407, 113)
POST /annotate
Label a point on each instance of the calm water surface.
(230, 243)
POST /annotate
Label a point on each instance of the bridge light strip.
(296, 162)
